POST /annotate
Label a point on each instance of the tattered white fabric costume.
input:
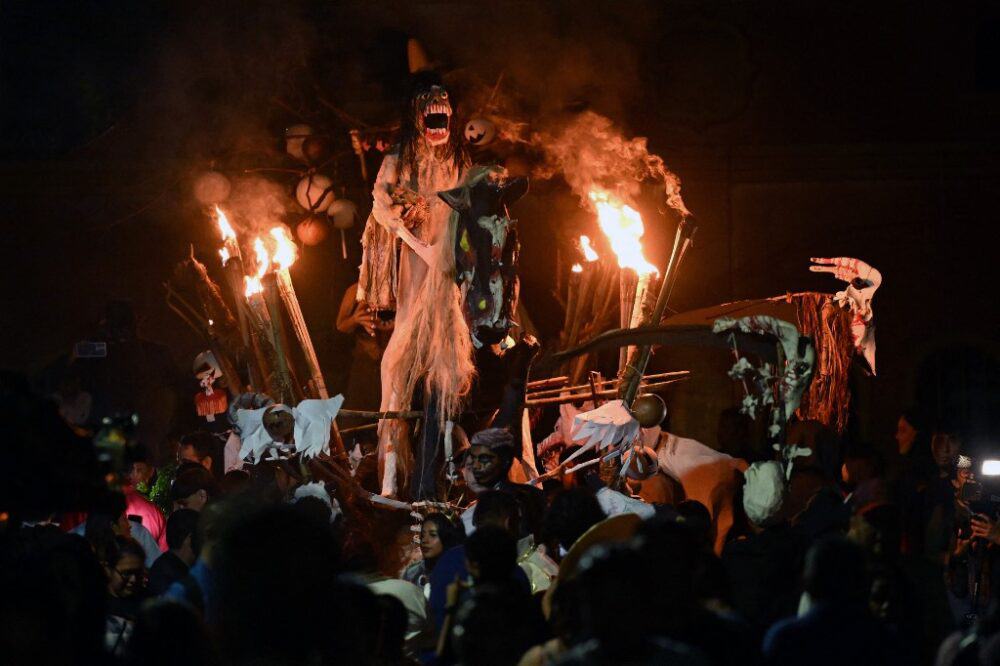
(313, 420)
(428, 310)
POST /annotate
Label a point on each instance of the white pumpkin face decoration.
(480, 131)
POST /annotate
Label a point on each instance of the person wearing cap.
(193, 488)
(489, 459)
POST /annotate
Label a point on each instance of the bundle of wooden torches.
(256, 338)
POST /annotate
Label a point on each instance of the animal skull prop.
(862, 281)
(434, 115)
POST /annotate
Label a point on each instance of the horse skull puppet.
(486, 263)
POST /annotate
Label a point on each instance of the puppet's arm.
(387, 211)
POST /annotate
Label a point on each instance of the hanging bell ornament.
(295, 137)
(312, 230)
(344, 213)
(211, 187)
(315, 193)
(649, 410)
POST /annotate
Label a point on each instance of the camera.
(982, 493)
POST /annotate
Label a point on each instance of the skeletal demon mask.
(434, 115)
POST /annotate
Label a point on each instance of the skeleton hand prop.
(312, 422)
(862, 281)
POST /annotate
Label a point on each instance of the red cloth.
(152, 518)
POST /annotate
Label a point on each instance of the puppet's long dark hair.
(409, 132)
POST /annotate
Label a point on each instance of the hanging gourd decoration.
(316, 149)
(649, 410)
(211, 187)
(480, 131)
(313, 230)
(344, 213)
(295, 136)
(315, 193)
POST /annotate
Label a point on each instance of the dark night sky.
(798, 128)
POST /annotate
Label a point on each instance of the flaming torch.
(283, 258)
(623, 226)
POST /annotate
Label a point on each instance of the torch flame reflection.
(623, 226)
(588, 250)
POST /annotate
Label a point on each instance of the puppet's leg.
(519, 365)
(424, 480)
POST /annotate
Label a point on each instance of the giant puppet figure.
(409, 267)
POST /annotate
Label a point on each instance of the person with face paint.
(407, 266)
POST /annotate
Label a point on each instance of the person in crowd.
(938, 515)
(166, 633)
(497, 509)
(437, 535)
(837, 627)
(863, 475)
(193, 488)
(490, 456)
(174, 564)
(123, 562)
(370, 331)
(363, 561)
(907, 591)
(108, 517)
(759, 564)
(234, 481)
(571, 513)
(138, 507)
(202, 448)
(495, 627)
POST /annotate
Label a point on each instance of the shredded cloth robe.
(431, 342)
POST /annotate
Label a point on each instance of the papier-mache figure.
(278, 431)
(211, 400)
(862, 281)
(409, 266)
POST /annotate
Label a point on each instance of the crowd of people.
(856, 557)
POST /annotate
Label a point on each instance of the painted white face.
(434, 111)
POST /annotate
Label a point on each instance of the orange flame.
(224, 227)
(577, 268)
(224, 254)
(285, 252)
(623, 226)
(253, 285)
(588, 250)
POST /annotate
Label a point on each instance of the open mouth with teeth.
(436, 119)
